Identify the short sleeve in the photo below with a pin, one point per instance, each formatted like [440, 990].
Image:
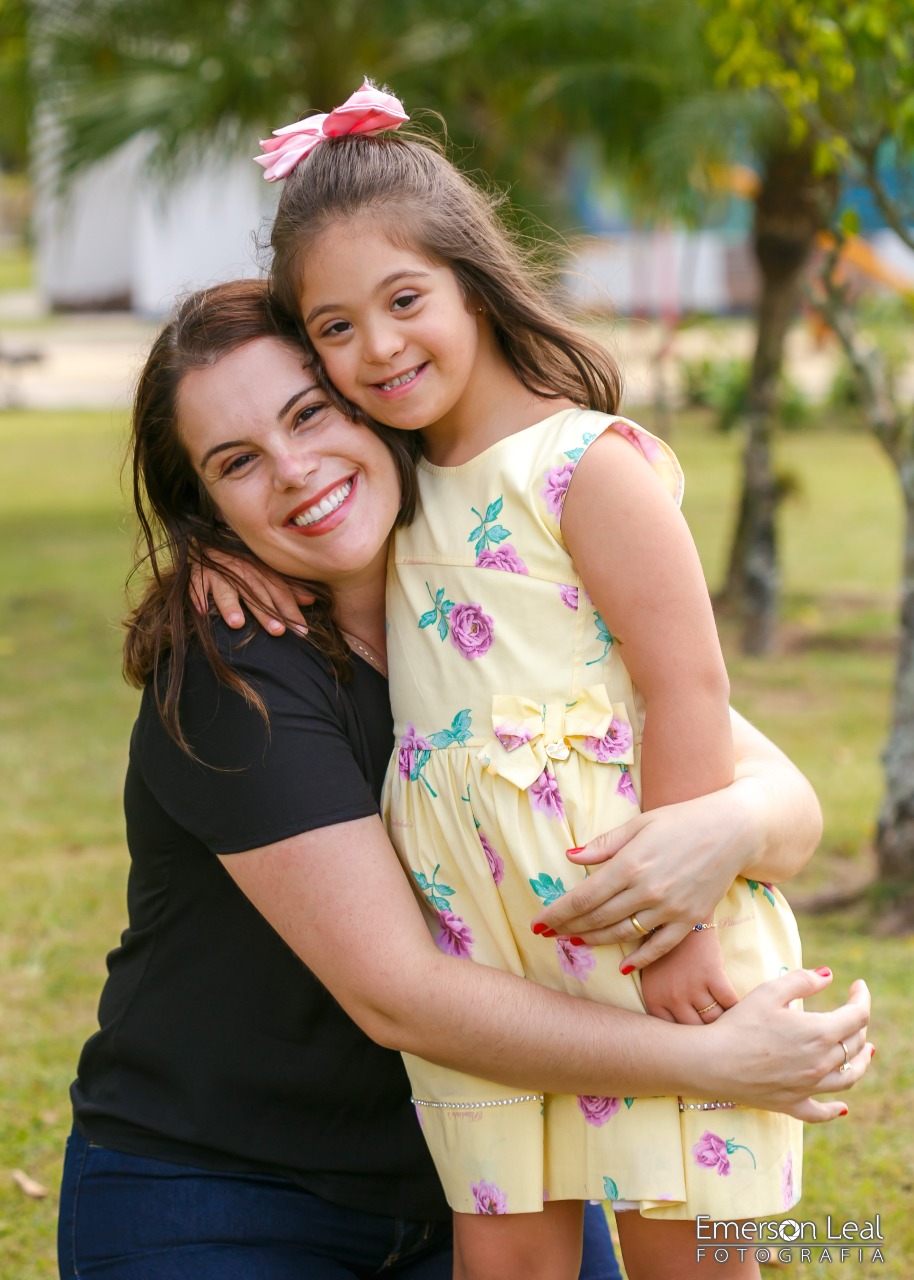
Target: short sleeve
[656, 452]
[253, 782]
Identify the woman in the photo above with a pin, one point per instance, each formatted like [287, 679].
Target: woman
[230, 1118]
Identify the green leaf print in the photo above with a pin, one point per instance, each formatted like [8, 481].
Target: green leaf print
[577, 454]
[487, 533]
[755, 885]
[628, 1102]
[458, 733]
[548, 889]
[604, 637]
[610, 1189]
[440, 610]
[437, 894]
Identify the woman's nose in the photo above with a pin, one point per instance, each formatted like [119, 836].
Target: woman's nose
[292, 466]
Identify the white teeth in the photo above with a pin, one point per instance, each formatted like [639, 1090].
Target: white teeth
[398, 382]
[325, 506]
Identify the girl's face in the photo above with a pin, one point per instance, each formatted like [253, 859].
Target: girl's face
[310, 492]
[393, 330]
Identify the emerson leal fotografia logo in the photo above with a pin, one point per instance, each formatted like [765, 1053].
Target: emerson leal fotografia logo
[790, 1240]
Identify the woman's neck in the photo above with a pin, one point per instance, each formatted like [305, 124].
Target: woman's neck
[359, 612]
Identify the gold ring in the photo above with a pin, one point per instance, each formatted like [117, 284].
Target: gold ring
[708, 1007]
[846, 1064]
[639, 926]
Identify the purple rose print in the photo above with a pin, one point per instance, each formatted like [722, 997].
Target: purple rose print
[503, 557]
[553, 491]
[472, 631]
[713, 1152]
[410, 743]
[788, 1197]
[488, 1197]
[625, 786]
[454, 937]
[647, 447]
[512, 736]
[418, 1111]
[615, 742]
[545, 795]
[569, 597]
[596, 1110]
[496, 864]
[577, 962]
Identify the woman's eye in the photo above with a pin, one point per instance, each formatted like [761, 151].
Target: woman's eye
[307, 415]
[335, 329]
[403, 301]
[237, 463]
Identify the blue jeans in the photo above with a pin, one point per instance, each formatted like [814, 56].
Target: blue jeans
[126, 1217]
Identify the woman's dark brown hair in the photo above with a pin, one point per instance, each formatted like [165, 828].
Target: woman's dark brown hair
[178, 527]
[421, 201]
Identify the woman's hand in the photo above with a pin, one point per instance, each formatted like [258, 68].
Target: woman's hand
[272, 601]
[764, 1053]
[670, 866]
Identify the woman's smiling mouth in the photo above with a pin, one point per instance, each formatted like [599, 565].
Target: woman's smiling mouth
[326, 506]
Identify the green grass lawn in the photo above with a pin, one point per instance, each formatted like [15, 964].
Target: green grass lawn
[65, 717]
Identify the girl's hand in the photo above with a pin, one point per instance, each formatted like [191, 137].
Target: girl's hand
[764, 1053]
[689, 983]
[272, 601]
[670, 866]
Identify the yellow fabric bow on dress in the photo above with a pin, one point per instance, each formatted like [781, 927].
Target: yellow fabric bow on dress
[529, 735]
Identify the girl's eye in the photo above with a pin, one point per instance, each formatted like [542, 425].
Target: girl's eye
[403, 301]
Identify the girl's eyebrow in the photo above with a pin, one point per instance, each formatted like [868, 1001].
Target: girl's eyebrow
[235, 444]
[379, 288]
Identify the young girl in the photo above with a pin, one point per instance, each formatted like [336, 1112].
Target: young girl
[554, 663]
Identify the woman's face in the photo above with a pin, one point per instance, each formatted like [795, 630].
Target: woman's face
[310, 492]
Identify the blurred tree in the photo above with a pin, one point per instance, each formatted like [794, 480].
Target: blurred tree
[15, 85]
[844, 75]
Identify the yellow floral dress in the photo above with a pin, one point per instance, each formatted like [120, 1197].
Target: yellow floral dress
[517, 737]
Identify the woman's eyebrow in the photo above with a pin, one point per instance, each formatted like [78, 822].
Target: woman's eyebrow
[379, 287]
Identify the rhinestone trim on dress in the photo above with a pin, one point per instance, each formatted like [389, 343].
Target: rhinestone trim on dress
[707, 1106]
[467, 1106]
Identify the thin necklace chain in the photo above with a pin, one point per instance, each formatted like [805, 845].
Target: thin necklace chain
[367, 653]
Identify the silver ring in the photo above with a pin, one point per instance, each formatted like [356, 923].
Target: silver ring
[846, 1064]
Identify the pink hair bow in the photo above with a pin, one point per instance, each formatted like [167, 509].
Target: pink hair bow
[368, 111]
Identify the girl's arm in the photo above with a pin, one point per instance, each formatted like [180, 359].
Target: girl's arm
[339, 898]
[765, 826]
[650, 589]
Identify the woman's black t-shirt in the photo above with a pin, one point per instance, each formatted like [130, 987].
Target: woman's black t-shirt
[217, 1047]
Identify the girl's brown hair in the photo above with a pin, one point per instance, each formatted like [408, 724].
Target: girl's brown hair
[178, 527]
[427, 204]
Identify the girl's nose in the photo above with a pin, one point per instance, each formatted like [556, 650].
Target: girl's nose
[382, 341]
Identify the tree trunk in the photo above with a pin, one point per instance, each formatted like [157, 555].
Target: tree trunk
[793, 204]
[895, 828]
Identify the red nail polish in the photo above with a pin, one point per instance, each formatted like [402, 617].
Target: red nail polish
[579, 850]
[549, 933]
[539, 927]
[824, 973]
[872, 1053]
[843, 1111]
[577, 942]
[627, 969]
